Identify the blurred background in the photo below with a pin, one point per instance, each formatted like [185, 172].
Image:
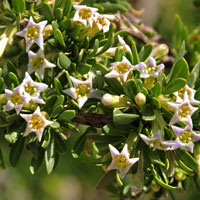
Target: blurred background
[73, 179]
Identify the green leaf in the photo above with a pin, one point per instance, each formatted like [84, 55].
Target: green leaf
[114, 85]
[16, 151]
[99, 66]
[130, 88]
[174, 86]
[113, 7]
[56, 111]
[1, 84]
[145, 52]
[179, 70]
[123, 118]
[2, 165]
[47, 11]
[59, 13]
[65, 62]
[194, 75]
[148, 114]
[182, 51]
[59, 101]
[67, 8]
[157, 89]
[59, 144]
[79, 145]
[50, 156]
[59, 37]
[13, 78]
[58, 86]
[83, 68]
[36, 163]
[19, 5]
[47, 139]
[135, 54]
[67, 115]
[156, 102]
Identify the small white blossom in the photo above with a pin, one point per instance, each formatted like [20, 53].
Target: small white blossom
[50, 2]
[16, 99]
[157, 142]
[82, 90]
[101, 22]
[183, 111]
[121, 161]
[38, 63]
[185, 138]
[33, 33]
[84, 14]
[151, 69]
[32, 89]
[190, 92]
[120, 69]
[36, 122]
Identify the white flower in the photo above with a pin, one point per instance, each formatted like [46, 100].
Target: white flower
[3, 44]
[38, 63]
[50, 2]
[101, 22]
[150, 70]
[183, 111]
[33, 33]
[156, 142]
[84, 14]
[121, 161]
[16, 99]
[120, 69]
[190, 92]
[123, 44]
[36, 122]
[185, 138]
[32, 89]
[82, 90]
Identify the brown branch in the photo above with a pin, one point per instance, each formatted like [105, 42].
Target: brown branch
[92, 119]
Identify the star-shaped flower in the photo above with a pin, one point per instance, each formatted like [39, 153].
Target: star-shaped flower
[151, 69]
[120, 69]
[36, 122]
[32, 89]
[101, 22]
[84, 14]
[157, 142]
[190, 92]
[121, 161]
[183, 111]
[33, 34]
[38, 63]
[185, 138]
[16, 99]
[82, 90]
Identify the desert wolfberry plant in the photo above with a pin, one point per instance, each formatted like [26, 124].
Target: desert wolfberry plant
[90, 71]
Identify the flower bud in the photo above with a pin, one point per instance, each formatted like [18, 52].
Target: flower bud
[179, 174]
[48, 31]
[160, 51]
[3, 99]
[140, 99]
[154, 186]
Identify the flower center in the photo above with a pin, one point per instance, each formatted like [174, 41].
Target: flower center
[184, 110]
[37, 62]
[30, 88]
[186, 136]
[32, 32]
[101, 20]
[122, 68]
[182, 92]
[150, 69]
[85, 13]
[16, 99]
[36, 122]
[83, 90]
[122, 162]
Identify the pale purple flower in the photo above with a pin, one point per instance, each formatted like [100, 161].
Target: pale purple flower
[84, 14]
[16, 99]
[183, 111]
[150, 69]
[38, 63]
[82, 90]
[121, 161]
[33, 34]
[185, 138]
[101, 22]
[190, 92]
[36, 122]
[33, 89]
[157, 142]
[120, 69]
